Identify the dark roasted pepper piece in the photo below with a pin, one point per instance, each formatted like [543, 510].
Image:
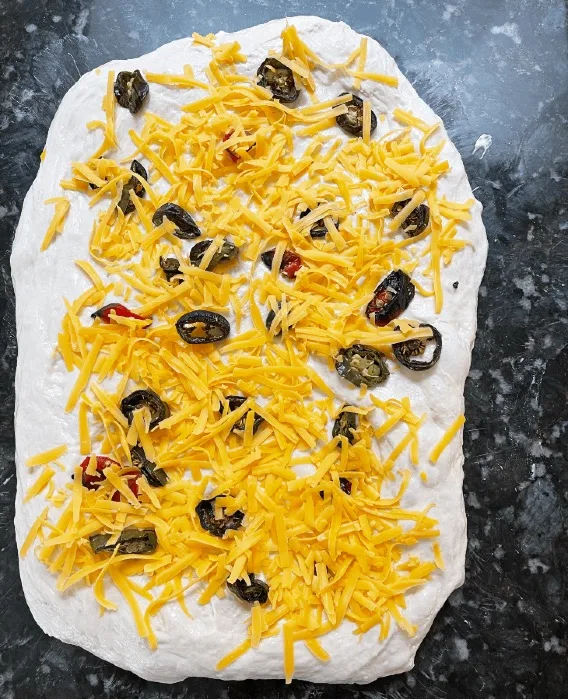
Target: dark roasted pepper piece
[257, 592]
[154, 476]
[145, 398]
[206, 513]
[186, 226]
[279, 79]
[236, 402]
[199, 327]
[352, 120]
[291, 262]
[407, 351]
[346, 424]
[416, 222]
[392, 297]
[130, 90]
[227, 252]
[131, 541]
[170, 267]
[133, 185]
[362, 364]
[319, 229]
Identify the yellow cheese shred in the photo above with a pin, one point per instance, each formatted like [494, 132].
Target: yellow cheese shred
[257, 624]
[288, 638]
[40, 483]
[62, 205]
[46, 457]
[317, 650]
[84, 434]
[232, 656]
[447, 437]
[417, 199]
[33, 532]
[361, 61]
[366, 121]
[438, 558]
[409, 119]
[84, 374]
[375, 77]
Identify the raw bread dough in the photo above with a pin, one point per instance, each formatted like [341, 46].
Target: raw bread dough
[192, 648]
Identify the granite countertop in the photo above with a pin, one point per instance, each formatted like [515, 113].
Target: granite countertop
[486, 67]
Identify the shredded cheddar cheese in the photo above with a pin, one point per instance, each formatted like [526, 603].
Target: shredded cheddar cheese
[366, 122]
[40, 483]
[47, 456]
[374, 77]
[448, 436]
[327, 556]
[361, 60]
[56, 224]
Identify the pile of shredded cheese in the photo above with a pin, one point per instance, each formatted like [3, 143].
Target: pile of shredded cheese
[326, 560]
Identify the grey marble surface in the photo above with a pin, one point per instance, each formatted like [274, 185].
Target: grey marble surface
[486, 66]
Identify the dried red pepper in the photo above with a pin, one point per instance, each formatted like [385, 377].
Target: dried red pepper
[93, 481]
[132, 485]
[291, 262]
[104, 313]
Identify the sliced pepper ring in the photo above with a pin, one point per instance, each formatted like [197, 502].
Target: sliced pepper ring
[279, 79]
[130, 90]
[392, 297]
[205, 510]
[145, 398]
[170, 267]
[408, 350]
[236, 402]
[416, 222]
[362, 364]
[290, 264]
[200, 327]
[256, 592]
[352, 120]
[227, 252]
[346, 424]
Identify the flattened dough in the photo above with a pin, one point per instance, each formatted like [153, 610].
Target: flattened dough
[192, 648]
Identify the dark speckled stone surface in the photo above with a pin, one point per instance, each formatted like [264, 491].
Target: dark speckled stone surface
[497, 67]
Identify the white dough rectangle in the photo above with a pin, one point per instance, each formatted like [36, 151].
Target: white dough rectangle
[42, 280]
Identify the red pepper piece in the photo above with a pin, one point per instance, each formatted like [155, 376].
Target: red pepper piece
[233, 156]
[392, 297]
[378, 302]
[104, 313]
[93, 481]
[132, 485]
[291, 263]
